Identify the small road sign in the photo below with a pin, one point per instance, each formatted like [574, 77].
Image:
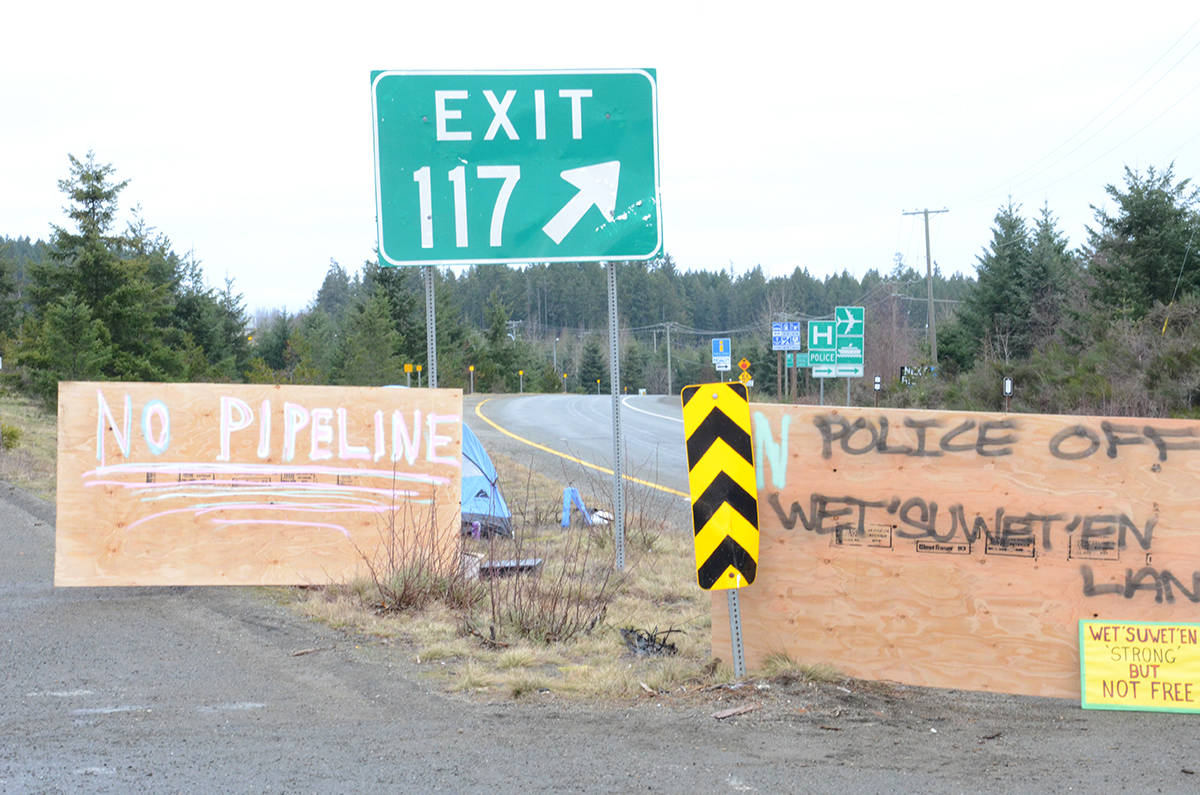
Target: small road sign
[850, 331]
[837, 371]
[721, 477]
[745, 377]
[822, 336]
[797, 359]
[849, 321]
[787, 335]
[502, 167]
[722, 354]
[744, 363]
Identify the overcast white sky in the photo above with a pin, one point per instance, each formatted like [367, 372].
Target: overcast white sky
[788, 136]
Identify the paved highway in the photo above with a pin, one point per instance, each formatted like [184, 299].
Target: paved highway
[579, 429]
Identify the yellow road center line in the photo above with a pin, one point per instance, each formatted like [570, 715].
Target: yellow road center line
[581, 462]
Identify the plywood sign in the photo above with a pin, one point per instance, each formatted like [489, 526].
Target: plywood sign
[218, 484]
[961, 549]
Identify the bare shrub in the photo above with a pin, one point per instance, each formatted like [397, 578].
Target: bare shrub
[414, 565]
[567, 595]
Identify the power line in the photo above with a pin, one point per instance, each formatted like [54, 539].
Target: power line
[1124, 141]
[926, 300]
[1020, 176]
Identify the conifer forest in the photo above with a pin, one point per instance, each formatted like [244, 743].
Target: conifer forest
[1109, 327]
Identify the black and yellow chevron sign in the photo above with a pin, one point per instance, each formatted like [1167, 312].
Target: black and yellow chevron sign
[716, 426]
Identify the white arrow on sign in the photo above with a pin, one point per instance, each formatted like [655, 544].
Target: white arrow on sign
[597, 185]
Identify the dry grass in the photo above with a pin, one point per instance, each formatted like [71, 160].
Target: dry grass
[31, 465]
[780, 666]
[483, 651]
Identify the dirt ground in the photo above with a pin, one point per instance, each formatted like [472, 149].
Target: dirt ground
[202, 689]
[883, 736]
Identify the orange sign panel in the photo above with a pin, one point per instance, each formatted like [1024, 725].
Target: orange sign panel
[224, 484]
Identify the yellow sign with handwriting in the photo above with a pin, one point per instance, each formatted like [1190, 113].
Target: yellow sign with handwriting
[1140, 665]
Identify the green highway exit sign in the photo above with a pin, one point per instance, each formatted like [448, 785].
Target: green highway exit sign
[521, 166]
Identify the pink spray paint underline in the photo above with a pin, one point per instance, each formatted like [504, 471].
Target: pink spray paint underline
[341, 529]
[264, 469]
[268, 506]
[248, 484]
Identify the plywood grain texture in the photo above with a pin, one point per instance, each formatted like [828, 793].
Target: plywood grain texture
[961, 549]
[221, 484]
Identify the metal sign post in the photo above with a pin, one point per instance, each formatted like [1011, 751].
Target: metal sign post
[430, 327]
[735, 634]
[614, 368]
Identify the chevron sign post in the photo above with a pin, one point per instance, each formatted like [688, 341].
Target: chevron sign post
[721, 477]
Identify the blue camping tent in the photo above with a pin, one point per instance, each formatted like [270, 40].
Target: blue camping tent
[484, 511]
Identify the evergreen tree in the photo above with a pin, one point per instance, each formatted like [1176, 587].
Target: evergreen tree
[68, 345]
[232, 354]
[1136, 256]
[592, 365]
[996, 315]
[369, 351]
[160, 321]
[335, 295]
[271, 342]
[404, 290]
[87, 258]
[1050, 273]
[316, 343]
[634, 360]
[10, 304]
[496, 369]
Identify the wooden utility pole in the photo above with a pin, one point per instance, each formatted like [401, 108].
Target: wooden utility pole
[929, 284]
[668, 324]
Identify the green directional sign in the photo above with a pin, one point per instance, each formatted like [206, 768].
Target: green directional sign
[822, 342]
[506, 167]
[835, 347]
[850, 332]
